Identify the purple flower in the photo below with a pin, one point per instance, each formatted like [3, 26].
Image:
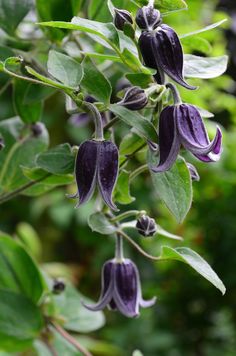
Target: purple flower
[121, 289]
[193, 172]
[182, 124]
[122, 18]
[148, 18]
[135, 98]
[146, 226]
[96, 164]
[162, 49]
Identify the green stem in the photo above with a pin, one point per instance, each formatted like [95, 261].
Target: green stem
[132, 154]
[138, 171]
[70, 339]
[138, 248]
[97, 121]
[111, 123]
[119, 255]
[175, 93]
[127, 214]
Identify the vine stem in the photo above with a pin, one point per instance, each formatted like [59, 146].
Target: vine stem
[111, 123]
[132, 154]
[119, 253]
[97, 120]
[138, 171]
[127, 214]
[144, 253]
[70, 339]
[151, 3]
[175, 93]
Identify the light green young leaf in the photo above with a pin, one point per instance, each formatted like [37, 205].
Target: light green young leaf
[174, 187]
[20, 321]
[65, 69]
[144, 127]
[195, 261]
[99, 222]
[166, 5]
[94, 82]
[204, 29]
[204, 67]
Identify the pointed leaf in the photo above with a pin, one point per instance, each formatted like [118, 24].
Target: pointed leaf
[99, 222]
[195, 261]
[204, 67]
[204, 29]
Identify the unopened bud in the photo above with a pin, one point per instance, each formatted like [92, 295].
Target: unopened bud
[58, 286]
[135, 99]
[148, 18]
[37, 129]
[146, 226]
[121, 18]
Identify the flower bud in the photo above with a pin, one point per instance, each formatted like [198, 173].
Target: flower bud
[37, 129]
[135, 99]
[148, 18]
[146, 226]
[58, 286]
[121, 18]
[2, 144]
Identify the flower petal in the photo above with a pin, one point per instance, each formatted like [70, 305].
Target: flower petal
[169, 54]
[169, 143]
[193, 134]
[126, 288]
[107, 288]
[147, 303]
[107, 171]
[86, 169]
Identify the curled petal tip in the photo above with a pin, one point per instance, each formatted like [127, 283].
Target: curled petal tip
[72, 196]
[147, 303]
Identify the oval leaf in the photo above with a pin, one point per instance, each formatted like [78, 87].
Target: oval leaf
[99, 223]
[204, 67]
[186, 255]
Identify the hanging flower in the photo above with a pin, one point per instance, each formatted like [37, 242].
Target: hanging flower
[96, 164]
[161, 50]
[182, 124]
[121, 289]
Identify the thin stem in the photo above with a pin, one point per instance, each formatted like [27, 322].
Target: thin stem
[5, 86]
[144, 253]
[6, 197]
[132, 154]
[127, 214]
[175, 93]
[70, 339]
[138, 171]
[97, 120]
[151, 3]
[111, 123]
[119, 255]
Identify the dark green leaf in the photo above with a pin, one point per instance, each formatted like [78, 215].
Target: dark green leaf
[166, 5]
[57, 160]
[122, 190]
[139, 79]
[196, 43]
[29, 113]
[20, 321]
[190, 257]
[94, 82]
[78, 318]
[18, 271]
[204, 67]
[99, 222]
[65, 69]
[144, 127]
[12, 13]
[174, 187]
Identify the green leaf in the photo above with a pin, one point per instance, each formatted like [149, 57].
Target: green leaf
[196, 43]
[21, 149]
[78, 318]
[20, 321]
[122, 190]
[166, 5]
[94, 82]
[139, 79]
[57, 160]
[207, 28]
[36, 93]
[174, 187]
[133, 62]
[162, 232]
[45, 178]
[30, 239]
[144, 127]
[65, 69]
[195, 261]
[204, 67]
[12, 13]
[99, 222]
[106, 31]
[29, 113]
[19, 273]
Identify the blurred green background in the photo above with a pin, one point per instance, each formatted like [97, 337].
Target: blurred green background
[190, 317]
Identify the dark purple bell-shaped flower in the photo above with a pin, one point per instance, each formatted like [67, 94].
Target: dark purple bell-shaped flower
[96, 164]
[182, 124]
[161, 49]
[121, 289]
[135, 98]
[148, 18]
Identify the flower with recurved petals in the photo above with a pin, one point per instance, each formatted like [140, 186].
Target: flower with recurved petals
[181, 124]
[121, 289]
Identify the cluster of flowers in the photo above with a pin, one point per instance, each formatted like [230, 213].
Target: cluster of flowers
[179, 124]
